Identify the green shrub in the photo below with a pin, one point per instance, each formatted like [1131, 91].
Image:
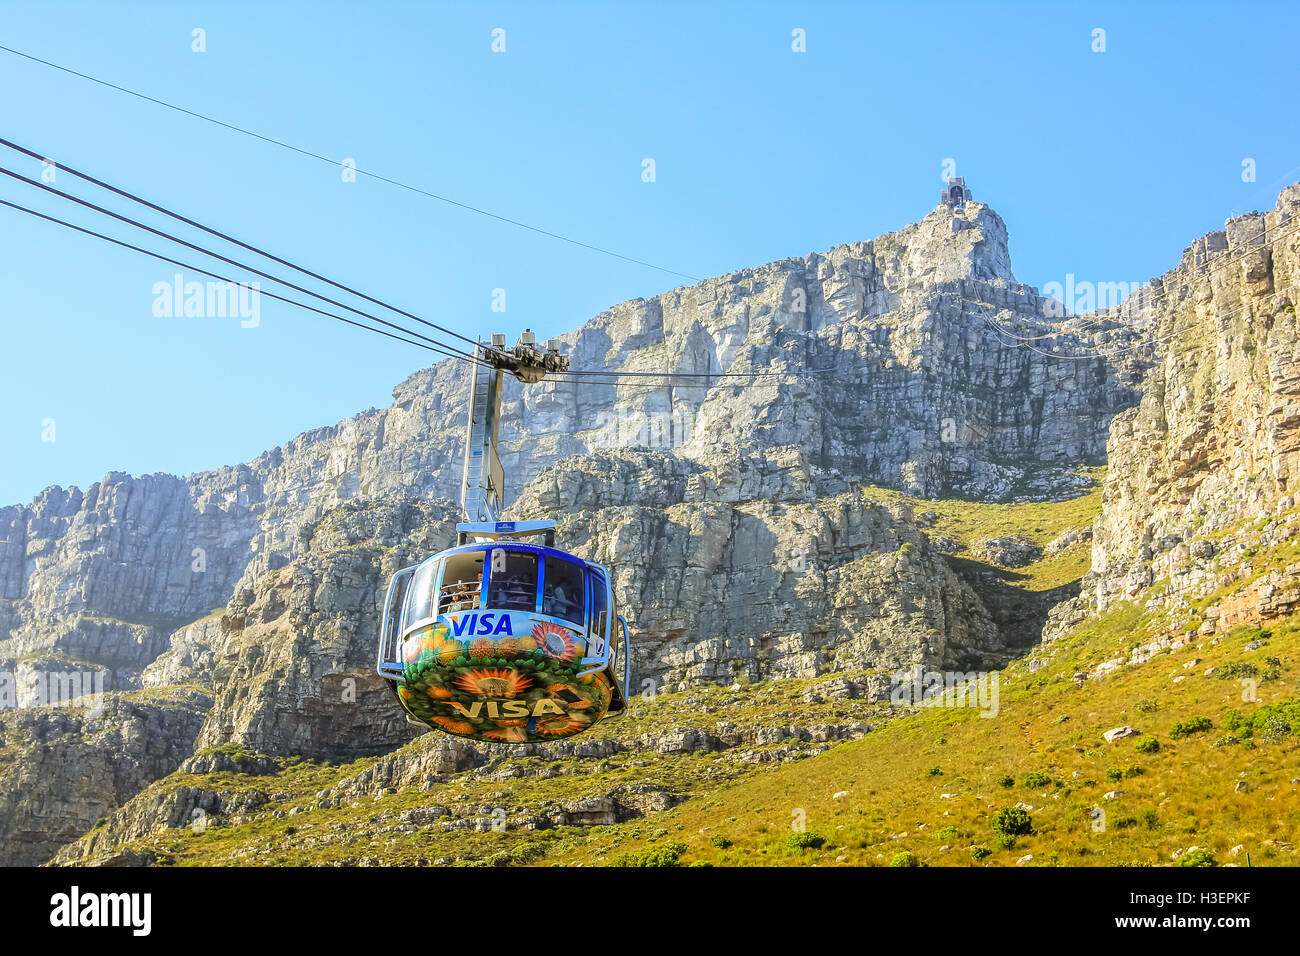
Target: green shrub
[1198, 858]
[1234, 670]
[1271, 721]
[1276, 726]
[804, 841]
[1272, 669]
[666, 855]
[1185, 728]
[979, 851]
[1036, 779]
[1227, 740]
[933, 772]
[1147, 706]
[1012, 821]
[1007, 781]
[500, 858]
[946, 835]
[1150, 819]
[719, 841]
[1132, 770]
[1114, 773]
[1147, 745]
[526, 853]
[1004, 841]
[904, 858]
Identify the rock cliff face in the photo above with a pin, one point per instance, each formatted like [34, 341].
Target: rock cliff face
[735, 568]
[730, 507]
[730, 573]
[294, 668]
[1215, 441]
[61, 771]
[913, 389]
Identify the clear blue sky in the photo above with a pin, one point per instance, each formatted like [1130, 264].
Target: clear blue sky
[1103, 164]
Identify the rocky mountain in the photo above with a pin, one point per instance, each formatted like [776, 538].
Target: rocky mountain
[741, 516]
[1214, 443]
[913, 389]
[63, 771]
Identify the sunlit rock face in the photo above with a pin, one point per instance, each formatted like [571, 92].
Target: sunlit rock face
[1215, 441]
[735, 568]
[885, 361]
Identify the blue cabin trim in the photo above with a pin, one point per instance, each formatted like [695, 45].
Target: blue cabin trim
[538, 549]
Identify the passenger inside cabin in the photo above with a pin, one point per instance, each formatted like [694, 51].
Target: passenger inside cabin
[462, 596]
[557, 602]
[512, 590]
[562, 594]
[513, 583]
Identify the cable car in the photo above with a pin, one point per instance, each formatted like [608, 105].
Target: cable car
[500, 639]
[504, 640]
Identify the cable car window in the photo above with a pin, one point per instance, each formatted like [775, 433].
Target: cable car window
[419, 595]
[512, 584]
[461, 582]
[599, 607]
[563, 593]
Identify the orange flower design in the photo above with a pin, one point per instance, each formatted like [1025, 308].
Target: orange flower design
[497, 682]
[569, 724]
[425, 639]
[454, 726]
[554, 641]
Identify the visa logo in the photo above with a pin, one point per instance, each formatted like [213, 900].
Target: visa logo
[475, 623]
[508, 708]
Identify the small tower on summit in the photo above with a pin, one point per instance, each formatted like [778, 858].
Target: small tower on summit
[956, 195]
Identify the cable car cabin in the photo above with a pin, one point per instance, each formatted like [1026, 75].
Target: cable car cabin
[505, 641]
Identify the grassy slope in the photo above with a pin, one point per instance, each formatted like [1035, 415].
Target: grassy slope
[1046, 723]
[356, 831]
[1186, 794]
[971, 523]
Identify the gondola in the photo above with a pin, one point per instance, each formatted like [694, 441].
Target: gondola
[499, 638]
